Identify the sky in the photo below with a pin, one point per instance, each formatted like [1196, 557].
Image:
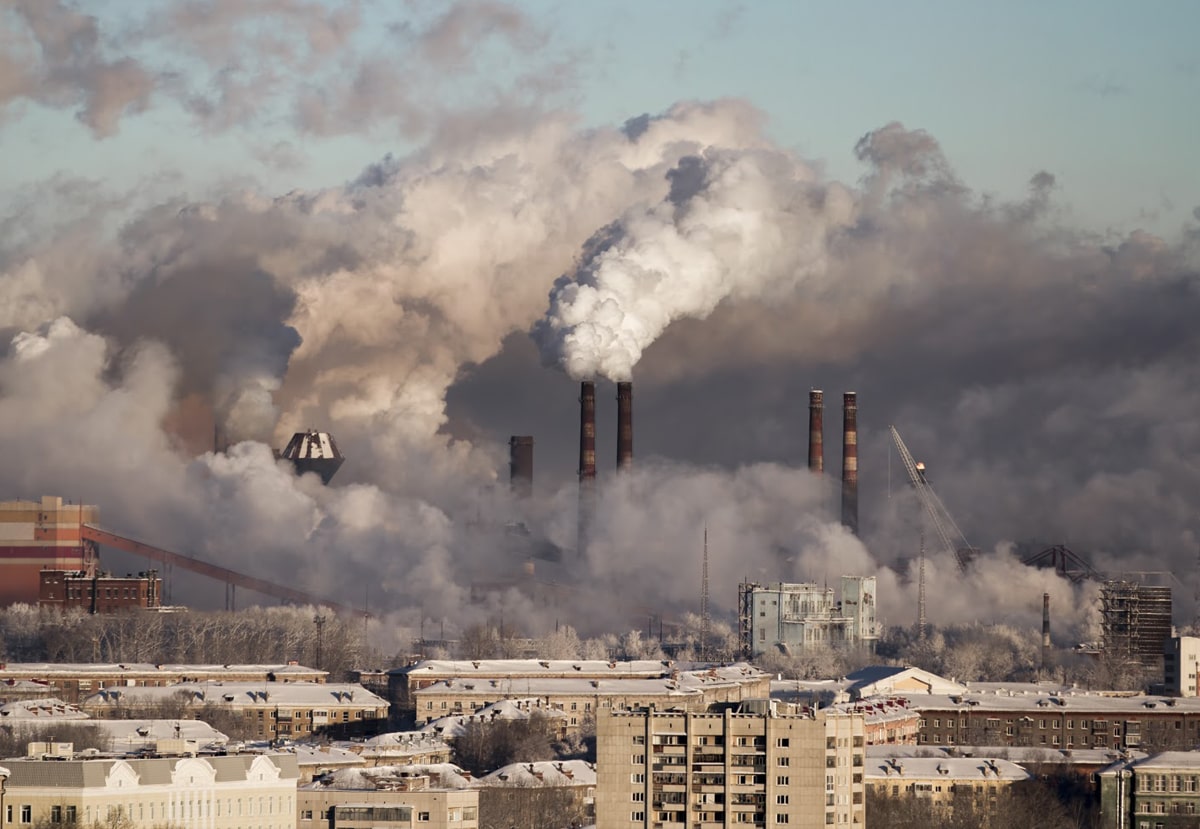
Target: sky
[420, 225]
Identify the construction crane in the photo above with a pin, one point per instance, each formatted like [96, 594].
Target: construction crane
[948, 533]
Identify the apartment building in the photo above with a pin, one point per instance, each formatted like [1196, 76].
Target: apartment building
[580, 697]
[942, 780]
[1157, 792]
[763, 763]
[1181, 656]
[227, 792]
[271, 711]
[72, 682]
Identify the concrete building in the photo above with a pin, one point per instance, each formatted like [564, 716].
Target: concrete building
[74, 681]
[942, 780]
[1135, 621]
[793, 617]
[765, 764]
[1157, 792]
[100, 592]
[387, 796]
[41, 535]
[225, 792]
[279, 711]
[579, 698]
[1180, 658]
[887, 721]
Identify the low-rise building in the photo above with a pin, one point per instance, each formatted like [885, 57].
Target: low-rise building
[579, 698]
[765, 764]
[405, 797]
[269, 711]
[1154, 792]
[401, 747]
[74, 681]
[220, 792]
[520, 793]
[99, 592]
[886, 720]
[942, 780]
[794, 617]
[35, 712]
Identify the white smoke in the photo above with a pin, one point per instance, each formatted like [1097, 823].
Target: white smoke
[736, 224]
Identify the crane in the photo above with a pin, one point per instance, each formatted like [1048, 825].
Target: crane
[948, 533]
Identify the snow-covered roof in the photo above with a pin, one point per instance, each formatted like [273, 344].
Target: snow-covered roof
[887, 679]
[1036, 704]
[1021, 755]
[544, 773]
[683, 683]
[324, 756]
[33, 710]
[54, 669]
[295, 694]
[950, 768]
[1169, 760]
[505, 709]
[878, 709]
[134, 734]
[545, 667]
[440, 775]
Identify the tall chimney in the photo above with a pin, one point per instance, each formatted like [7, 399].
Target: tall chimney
[1045, 632]
[850, 461]
[624, 425]
[816, 429]
[520, 465]
[587, 459]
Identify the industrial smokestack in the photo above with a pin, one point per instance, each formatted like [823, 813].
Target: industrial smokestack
[624, 425]
[1045, 632]
[587, 458]
[850, 461]
[816, 430]
[520, 465]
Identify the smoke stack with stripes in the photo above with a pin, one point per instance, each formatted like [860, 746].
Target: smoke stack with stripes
[624, 426]
[1045, 632]
[850, 461]
[587, 459]
[816, 429]
[520, 465]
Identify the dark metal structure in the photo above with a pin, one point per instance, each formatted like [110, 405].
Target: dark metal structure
[314, 452]
[624, 425]
[520, 464]
[1135, 620]
[1067, 564]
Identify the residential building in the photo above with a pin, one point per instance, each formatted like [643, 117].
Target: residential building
[74, 681]
[579, 697]
[942, 780]
[99, 592]
[791, 617]
[387, 796]
[271, 711]
[40, 535]
[219, 792]
[1180, 658]
[516, 794]
[763, 763]
[1157, 792]
[886, 720]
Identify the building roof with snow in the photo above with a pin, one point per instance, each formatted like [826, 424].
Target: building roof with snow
[131, 735]
[410, 777]
[505, 709]
[33, 711]
[959, 769]
[244, 694]
[875, 680]
[544, 773]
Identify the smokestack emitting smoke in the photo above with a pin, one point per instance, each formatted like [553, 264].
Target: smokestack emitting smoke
[816, 428]
[624, 425]
[520, 464]
[1045, 631]
[850, 461]
[587, 457]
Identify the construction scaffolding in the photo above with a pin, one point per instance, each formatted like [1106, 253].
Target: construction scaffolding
[1135, 620]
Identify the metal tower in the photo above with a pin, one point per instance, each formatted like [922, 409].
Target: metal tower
[705, 620]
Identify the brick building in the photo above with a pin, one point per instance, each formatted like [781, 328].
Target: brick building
[40, 535]
[99, 593]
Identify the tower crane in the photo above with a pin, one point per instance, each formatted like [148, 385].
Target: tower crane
[948, 533]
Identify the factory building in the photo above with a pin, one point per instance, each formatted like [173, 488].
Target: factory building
[1135, 620]
[794, 617]
[37, 536]
[99, 593]
[764, 764]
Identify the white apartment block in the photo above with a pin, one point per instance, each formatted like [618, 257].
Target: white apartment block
[793, 617]
[236, 791]
[765, 764]
[1182, 654]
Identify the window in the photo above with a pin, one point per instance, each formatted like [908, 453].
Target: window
[781, 817]
[71, 815]
[638, 816]
[56, 814]
[639, 739]
[783, 742]
[637, 777]
[783, 761]
[782, 780]
[306, 814]
[639, 797]
[639, 759]
[781, 799]
[422, 817]
[26, 813]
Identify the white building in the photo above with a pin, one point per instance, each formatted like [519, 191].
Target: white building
[226, 792]
[1182, 654]
[789, 617]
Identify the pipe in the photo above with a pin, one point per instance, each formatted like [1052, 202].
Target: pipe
[1045, 632]
[850, 461]
[520, 465]
[816, 429]
[624, 425]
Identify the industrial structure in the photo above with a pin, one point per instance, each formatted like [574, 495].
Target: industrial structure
[763, 763]
[816, 431]
[624, 426]
[850, 461]
[795, 617]
[587, 461]
[315, 452]
[1135, 620]
[520, 465]
[41, 535]
[100, 592]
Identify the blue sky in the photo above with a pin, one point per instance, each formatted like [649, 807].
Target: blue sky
[1104, 95]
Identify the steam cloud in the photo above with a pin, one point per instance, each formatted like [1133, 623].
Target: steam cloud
[1046, 375]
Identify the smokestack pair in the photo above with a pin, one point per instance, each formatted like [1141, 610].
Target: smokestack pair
[587, 429]
[816, 450]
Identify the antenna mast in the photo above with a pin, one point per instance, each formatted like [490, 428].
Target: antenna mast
[704, 617]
